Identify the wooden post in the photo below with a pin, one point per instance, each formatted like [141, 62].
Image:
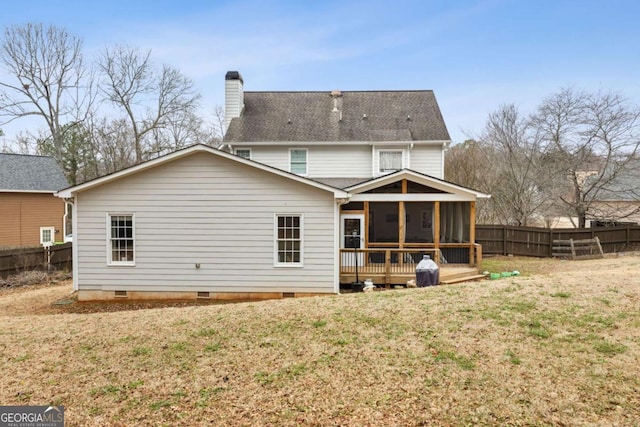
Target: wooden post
[472, 231]
[366, 225]
[401, 224]
[436, 224]
[504, 240]
[387, 268]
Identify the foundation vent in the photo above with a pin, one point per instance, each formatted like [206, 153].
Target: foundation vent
[288, 295]
[120, 294]
[203, 295]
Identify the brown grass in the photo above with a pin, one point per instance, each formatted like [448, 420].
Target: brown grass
[559, 347]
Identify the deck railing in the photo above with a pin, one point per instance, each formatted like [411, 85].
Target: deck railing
[390, 265]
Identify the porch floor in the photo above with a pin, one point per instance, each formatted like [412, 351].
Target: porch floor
[447, 272]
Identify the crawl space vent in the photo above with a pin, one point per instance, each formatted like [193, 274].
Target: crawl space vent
[203, 294]
[120, 294]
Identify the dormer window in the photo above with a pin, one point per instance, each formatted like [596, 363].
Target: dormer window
[298, 161]
[389, 160]
[244, 152]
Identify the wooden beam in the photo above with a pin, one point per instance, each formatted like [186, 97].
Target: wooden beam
[404, 186]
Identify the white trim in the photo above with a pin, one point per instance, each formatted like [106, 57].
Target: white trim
[436, 183]
[332, 143]
[74, 245]
[28, 191]
[198, 148]
[412, 197]
[110, 261]
[235, 151]
[336, 247]
[277, 263]
[306, 160]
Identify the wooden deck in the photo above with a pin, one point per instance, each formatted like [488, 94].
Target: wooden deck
[447, 273]
[387, 267]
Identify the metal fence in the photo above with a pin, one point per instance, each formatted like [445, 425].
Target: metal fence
[538, 242]
[13, 261]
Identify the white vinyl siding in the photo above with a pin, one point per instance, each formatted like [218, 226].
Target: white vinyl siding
[206, 210]
[428, 159]
[288, 240]
[298, 161]
[325, 161]
[120, 239]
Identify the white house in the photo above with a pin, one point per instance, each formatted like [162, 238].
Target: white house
[310, 190]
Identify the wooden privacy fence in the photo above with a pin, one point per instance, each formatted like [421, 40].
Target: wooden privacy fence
[14, 261]
[538, 242]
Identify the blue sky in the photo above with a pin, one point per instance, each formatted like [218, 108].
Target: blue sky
[475, 54]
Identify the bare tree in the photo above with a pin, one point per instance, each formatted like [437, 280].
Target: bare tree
[519, 171]
[469, 164]
[593, 144]
[48, 79]
[151, 99]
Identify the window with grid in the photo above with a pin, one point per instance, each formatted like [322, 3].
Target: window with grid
[244, 152]
[289, 240]
[47, 235]
[390, 161]
[121, 240]
[298, 161]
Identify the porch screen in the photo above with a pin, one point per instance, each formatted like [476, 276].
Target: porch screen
[383, 222]
[419, 222]
[455, 222]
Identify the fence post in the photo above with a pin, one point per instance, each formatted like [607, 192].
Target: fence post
[550, 243]
[504, 240]
[628, 233]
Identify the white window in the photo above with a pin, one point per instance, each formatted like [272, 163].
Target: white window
[47, 235]
[288, 242]
[298, 161]
[389, 160]
[121, 239]
[244, 152]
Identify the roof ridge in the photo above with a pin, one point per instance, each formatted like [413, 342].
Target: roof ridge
[342, 91]
[27, 155]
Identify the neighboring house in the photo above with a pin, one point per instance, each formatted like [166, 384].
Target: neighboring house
[618, 201]
[614, 201]
[303, 197]
[30, 214]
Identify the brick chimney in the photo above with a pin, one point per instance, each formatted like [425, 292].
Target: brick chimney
[233, 97]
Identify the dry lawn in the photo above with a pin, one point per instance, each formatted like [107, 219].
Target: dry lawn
[558, 345]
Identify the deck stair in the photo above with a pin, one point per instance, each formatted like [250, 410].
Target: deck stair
[466, 278]
[456, 274]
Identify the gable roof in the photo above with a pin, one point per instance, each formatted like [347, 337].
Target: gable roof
[197, 148]
[436, 183]
[30, 174]
[343, 116]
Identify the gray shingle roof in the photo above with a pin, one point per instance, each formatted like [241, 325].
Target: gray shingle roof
[30, 173]
[361, 116]
[341, 183]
